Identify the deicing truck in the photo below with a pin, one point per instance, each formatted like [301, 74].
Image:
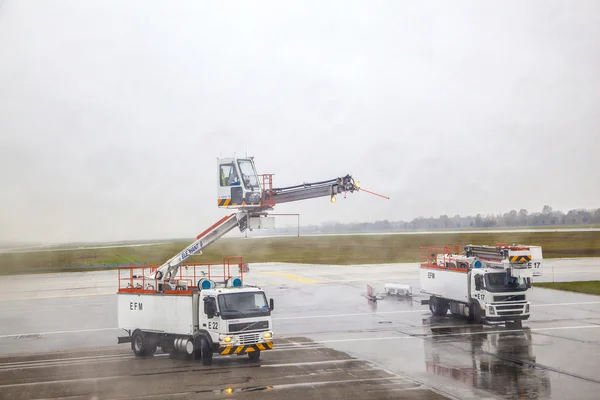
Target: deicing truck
[483, 283]
[217, 315]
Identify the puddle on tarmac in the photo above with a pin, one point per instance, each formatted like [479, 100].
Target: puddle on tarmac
[496, 360]
[230, 390]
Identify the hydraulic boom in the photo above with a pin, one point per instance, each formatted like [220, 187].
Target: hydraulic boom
[204, 239]
[241, 188]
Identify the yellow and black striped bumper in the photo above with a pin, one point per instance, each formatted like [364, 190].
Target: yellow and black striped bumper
[242, 349]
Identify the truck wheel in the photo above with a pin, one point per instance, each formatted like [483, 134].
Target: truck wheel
[197, 354]
[438, 306]
[206, 352]
[254, 356]
[140, 345]
[475, 312]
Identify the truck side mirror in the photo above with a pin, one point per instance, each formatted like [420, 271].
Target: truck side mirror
[271, 305]
[478, 282]
[210, 308]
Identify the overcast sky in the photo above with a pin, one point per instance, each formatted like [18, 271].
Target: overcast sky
[112, 113]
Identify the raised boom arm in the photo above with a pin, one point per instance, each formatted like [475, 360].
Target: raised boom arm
[204, 239]
[241, 188]
[313, 190]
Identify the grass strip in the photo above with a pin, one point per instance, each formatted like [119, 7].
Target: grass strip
[589, 287]
[342, 249]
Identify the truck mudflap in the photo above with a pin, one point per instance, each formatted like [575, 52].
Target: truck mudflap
[243, 349]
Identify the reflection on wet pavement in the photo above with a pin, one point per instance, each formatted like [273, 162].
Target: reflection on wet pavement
[502, 363]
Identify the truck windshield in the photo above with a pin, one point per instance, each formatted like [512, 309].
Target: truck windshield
[501, 282]
[248, 174]
[243, 305]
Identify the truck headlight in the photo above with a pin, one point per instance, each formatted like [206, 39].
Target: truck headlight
[492, 312]
[227, 339]
[527, 308]
[268, 335]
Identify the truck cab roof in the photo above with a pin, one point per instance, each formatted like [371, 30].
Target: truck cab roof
[225, 290]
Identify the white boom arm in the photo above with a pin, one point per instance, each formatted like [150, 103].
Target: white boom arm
[169, 268]
[243, 191]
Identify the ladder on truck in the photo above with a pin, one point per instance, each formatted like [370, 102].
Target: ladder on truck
[501, 255]
[513, 253]
[504, 255]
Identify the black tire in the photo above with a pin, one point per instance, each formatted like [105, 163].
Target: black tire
[206, 352]
[254, 356]
[140, 344]
[437, 306]
[197, 347]
[475, 313]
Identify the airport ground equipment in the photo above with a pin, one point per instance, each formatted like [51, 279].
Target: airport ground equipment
[200, 312]
[398, 289]
[372, 295]
[483, 283]
[181, 307]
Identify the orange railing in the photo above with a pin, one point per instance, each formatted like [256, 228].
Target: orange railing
[512, 246]
[133, 279]
[429, 257]
[267, 186]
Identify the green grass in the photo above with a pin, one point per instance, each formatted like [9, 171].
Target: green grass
[589, 287]
[358, 249]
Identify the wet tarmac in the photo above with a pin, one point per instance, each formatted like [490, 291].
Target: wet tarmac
[293, 369]
[552, 357]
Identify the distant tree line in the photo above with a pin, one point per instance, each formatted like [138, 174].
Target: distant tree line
[513, 218]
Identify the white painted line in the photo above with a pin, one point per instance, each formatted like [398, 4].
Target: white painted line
[566, 304]
[62, 382]
[297, 317]
[58, 332]
[350, 315]
[69, 359]
[315, 347]
[346, 360]
[414, 311]
[59, 297]
[456, 334]
[48, 364]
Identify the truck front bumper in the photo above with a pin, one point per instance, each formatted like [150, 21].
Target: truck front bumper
[243, 349]
[496, 318]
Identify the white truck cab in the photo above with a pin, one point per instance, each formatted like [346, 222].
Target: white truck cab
[237, 320]
[501, 295]
[210, 317]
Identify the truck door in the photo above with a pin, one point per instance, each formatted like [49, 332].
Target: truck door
[211, 321]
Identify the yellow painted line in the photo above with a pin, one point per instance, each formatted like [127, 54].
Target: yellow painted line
[300, 278]
[60, 297]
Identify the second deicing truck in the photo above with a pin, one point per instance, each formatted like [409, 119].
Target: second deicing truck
[484, 283]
